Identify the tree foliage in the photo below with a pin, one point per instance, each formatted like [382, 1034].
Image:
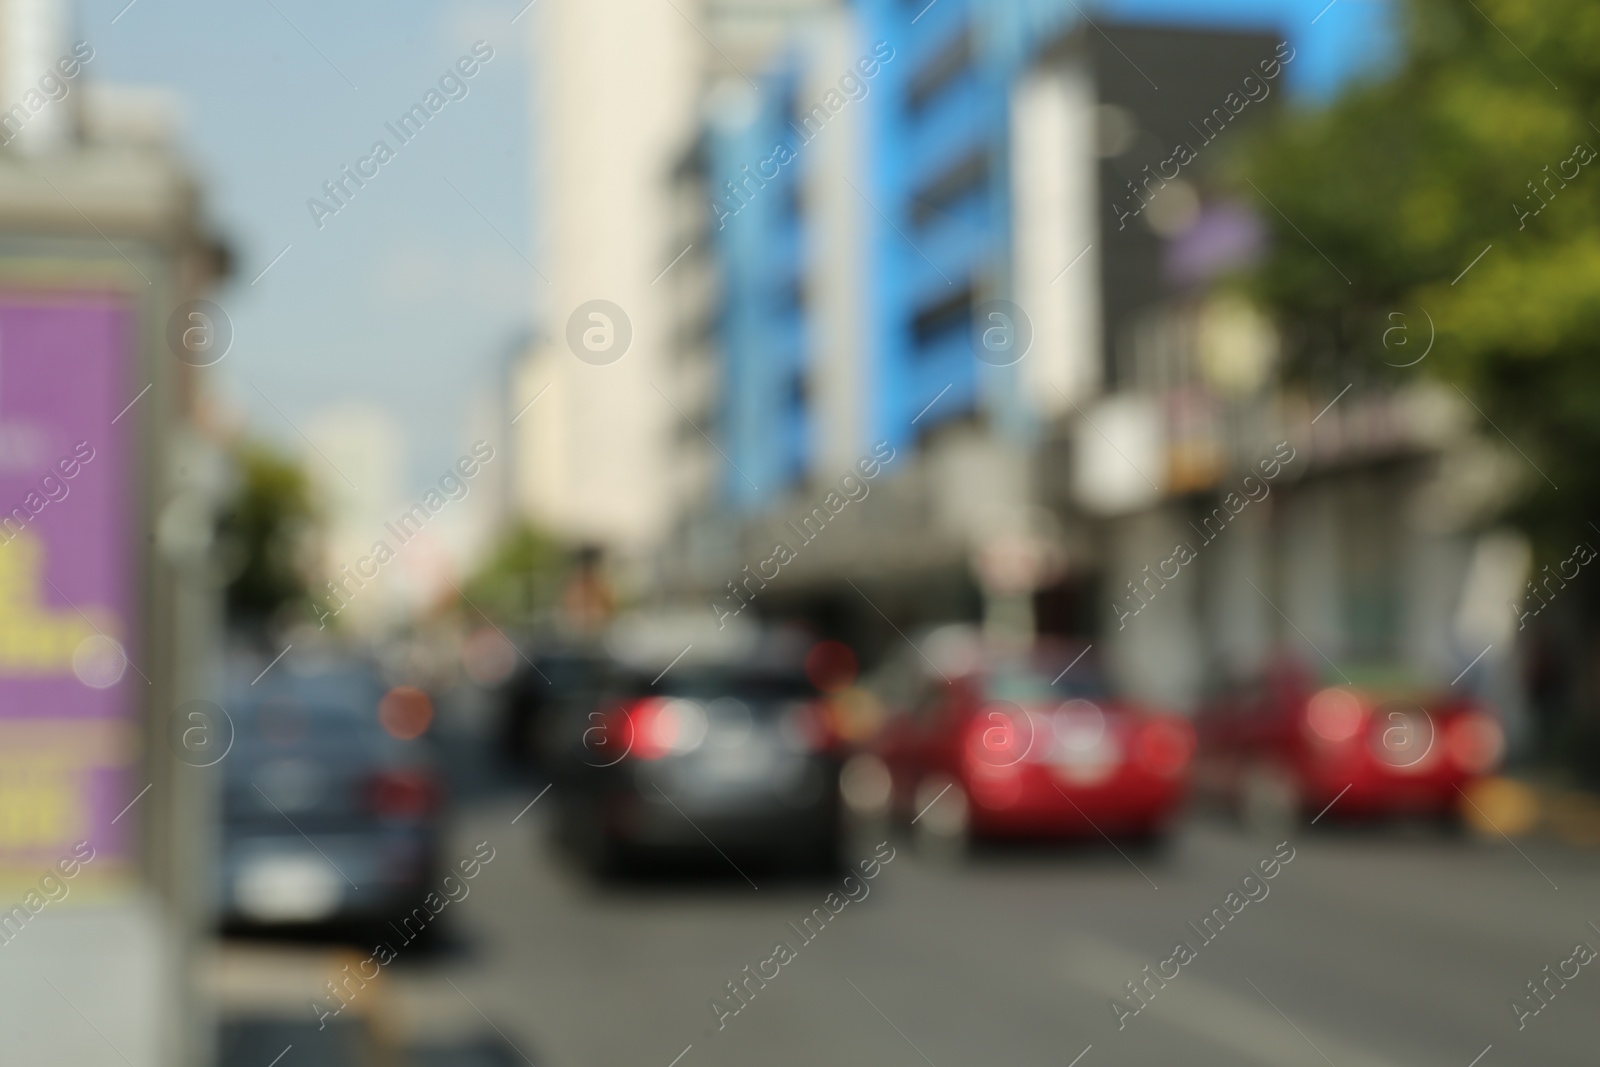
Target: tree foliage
[521, 576]
[264, 530]
[1463, 187]
[1381, 200]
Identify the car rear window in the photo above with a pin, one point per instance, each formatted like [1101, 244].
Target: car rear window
[280, 723]
[1029, 685]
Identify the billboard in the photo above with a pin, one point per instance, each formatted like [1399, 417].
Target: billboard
[68, 647]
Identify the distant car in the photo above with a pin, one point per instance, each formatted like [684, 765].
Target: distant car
[991, 743]
[554, 677]
[330, 815]
[1287, 744]
[717, 754]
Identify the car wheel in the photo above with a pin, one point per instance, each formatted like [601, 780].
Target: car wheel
[942, 823]
[1269, 800]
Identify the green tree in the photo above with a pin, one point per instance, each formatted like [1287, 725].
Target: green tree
[263, 531]
[521, 576]
[1480, 141]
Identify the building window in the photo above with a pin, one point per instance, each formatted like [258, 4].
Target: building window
[945, 66]
[935, 323]
[968, 176]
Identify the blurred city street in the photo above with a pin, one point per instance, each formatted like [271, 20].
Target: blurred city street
[598, 533]
[1013, 955]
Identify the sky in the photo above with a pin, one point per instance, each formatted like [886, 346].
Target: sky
[412, 294]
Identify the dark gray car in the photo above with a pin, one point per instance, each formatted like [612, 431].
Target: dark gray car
[327, 818]
[725, 758]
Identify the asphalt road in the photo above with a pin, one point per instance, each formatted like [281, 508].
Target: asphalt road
[1368, 948]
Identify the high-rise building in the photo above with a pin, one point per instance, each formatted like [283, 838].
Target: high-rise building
[618, 98]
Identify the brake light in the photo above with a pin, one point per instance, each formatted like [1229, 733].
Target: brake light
[402, 794]
[1001, 735]
[659, 727]
[1335, 716]
[1163, 746]
[405, 712]
[1475, 743]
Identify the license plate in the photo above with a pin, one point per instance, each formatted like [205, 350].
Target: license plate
[1083, 749]
[740, 763]
[288, 889]
[1405, 741]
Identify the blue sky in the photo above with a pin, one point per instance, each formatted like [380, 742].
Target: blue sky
[408, 297]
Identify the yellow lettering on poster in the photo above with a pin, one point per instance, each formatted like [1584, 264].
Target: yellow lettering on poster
[47, 769]
[34, 639]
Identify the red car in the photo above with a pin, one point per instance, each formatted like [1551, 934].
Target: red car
[1290, 744]
[990, 744]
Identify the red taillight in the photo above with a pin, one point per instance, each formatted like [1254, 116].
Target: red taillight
[1001, 735]
[405, 712]
[1335, 716]
[1163, 746]
[658, 727]
[402, 794]
[1475, 743]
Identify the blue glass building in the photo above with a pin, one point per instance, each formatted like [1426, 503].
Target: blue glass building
[933, 175]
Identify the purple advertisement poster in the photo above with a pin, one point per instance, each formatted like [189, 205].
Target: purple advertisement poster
[68, 678]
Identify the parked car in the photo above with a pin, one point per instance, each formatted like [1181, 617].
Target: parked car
[719, 750]
[988, 742]
[331, 801]
[1288, 743]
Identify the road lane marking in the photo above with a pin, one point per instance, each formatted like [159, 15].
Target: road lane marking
[1211, 1012]
[890, 1021]
[1290, 1021]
